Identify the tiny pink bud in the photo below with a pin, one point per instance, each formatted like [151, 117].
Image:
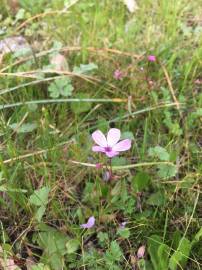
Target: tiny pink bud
[151, 58]
[141, 252]
[151, 82]
[118, 74]
[98, 165]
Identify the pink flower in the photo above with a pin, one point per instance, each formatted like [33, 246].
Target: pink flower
[118, 74]
[110, 145]
[151, 58]
[90, 223]
[141, 252]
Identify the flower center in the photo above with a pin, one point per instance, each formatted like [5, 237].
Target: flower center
[108, 149]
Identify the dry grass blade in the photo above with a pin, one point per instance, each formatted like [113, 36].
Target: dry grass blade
[171, 88]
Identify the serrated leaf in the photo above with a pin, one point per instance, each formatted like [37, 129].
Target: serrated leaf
[119, 161]
[103, 237]
[167, 170]
[81, 107]
[114, 253]
[53, 243]
[140, 181]
[85, 68]
[124, 233]
[61, 87]
[72, 246]
[197, 237]
[157, 199]
[159, 152]
[39, 213]
[40, 197]
[20, 14]
[24, 128]
[127, 135]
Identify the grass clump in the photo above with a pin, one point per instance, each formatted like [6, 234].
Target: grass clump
[86, 66]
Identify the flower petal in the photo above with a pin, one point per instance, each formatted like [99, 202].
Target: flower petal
[113, 136]
[99, 138]
[151, 58]
[89, 224]
[112, 154]
[141, 252]
[122, 146]
[96, 148]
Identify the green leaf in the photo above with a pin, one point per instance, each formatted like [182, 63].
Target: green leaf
[114, 253]
[153, 244]
[40, 197]
[159, 152]
[119, 161]
[24, 128]
[40, 266]
[167, 170]
[144, 265]
[85, 68]
[39, 213]
[157, 199]
[116, 189]
[81, 107]
[61, 87]
[124, 233]
[140, 181]
[103, 238]
[180, 256]
[199, 112]
[72, 246]
[163, 254]
[53, 244]
[127, 135]
[197, 237]
[20, 14]
[176, 237]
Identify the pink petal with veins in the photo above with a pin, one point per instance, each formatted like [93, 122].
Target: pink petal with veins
[122, 146]
[98, 149]
[112, 154]
[113, 136]
[99, 138]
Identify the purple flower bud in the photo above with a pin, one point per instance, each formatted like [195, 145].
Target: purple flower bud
[90, 223]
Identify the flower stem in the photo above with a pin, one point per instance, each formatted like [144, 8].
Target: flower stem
[110, 169]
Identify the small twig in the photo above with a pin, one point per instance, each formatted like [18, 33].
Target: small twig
[7, 161]
[63, 100]
[125, 167]
[171, 88]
